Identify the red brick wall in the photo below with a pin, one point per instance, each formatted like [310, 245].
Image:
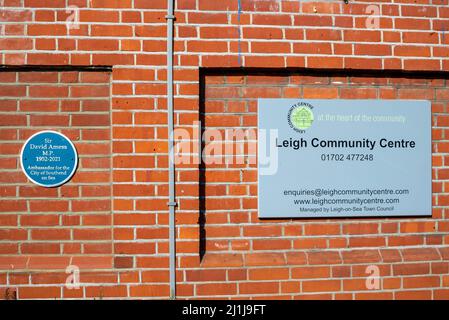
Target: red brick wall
[129, 36]
[314, 258]
[47, 229]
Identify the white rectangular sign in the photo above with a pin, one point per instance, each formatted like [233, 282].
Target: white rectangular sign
[344, 158]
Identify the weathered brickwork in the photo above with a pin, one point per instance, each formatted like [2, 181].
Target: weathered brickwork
[111, 220]
[48, 229]
[315, 258]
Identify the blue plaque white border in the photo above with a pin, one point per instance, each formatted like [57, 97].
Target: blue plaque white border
[75, 166]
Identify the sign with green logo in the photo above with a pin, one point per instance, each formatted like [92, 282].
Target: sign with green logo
[300, 117]
[344, 158]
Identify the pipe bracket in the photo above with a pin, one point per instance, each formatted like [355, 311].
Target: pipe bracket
[172, 204]
[170, 16]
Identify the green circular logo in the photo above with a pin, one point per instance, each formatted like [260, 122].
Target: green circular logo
[301, 117]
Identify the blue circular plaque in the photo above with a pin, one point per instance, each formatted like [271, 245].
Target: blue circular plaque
[49, 159]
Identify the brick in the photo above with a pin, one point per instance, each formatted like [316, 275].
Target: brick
[106, 291]
[321, 229]
[123, 262]
[48, 91]
[111, 31]
[46, 77]
[310, 272]
[155, 276]
[412, 51]
[420, 254]
[296, 258]
[93, 262]
[18, 278]
[420, 37]
[261, 33]
[258, 287]
[48, 206]
[392, 255]
[9, 249]
[372, 49]
[359, 63]
[264, 259]
[323, 34]
[91, 205]
[99, 16]
[48, 262]
[419, 11]
[271, 47]
[149, 291]
[361, 35]
[92, 234]
[411, 269]
[12, 205]
[135, 248]
[312, 20]
[222, 260]
[361, 228]
[218, 32]
[415, 227]
[262, 231]
[321, 285]
[13, 120]
[405, 240]
[8, 105]
[50, 234]
[39, 220]
[151, 118]
[216, 289]
[12, 90]
[261, 61]
[279, 19]
[268, 274]
[271, 244]
[324, 257]
[207, 46]
[133, 74]
[206, 275]
[312, 48]
[361, 256]
[206, 18]
[39, 105]
[39, 292]
[421, 282]
[90, 91]
[9, 219]
[374, 296]
[90, 120]
[13, 234]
